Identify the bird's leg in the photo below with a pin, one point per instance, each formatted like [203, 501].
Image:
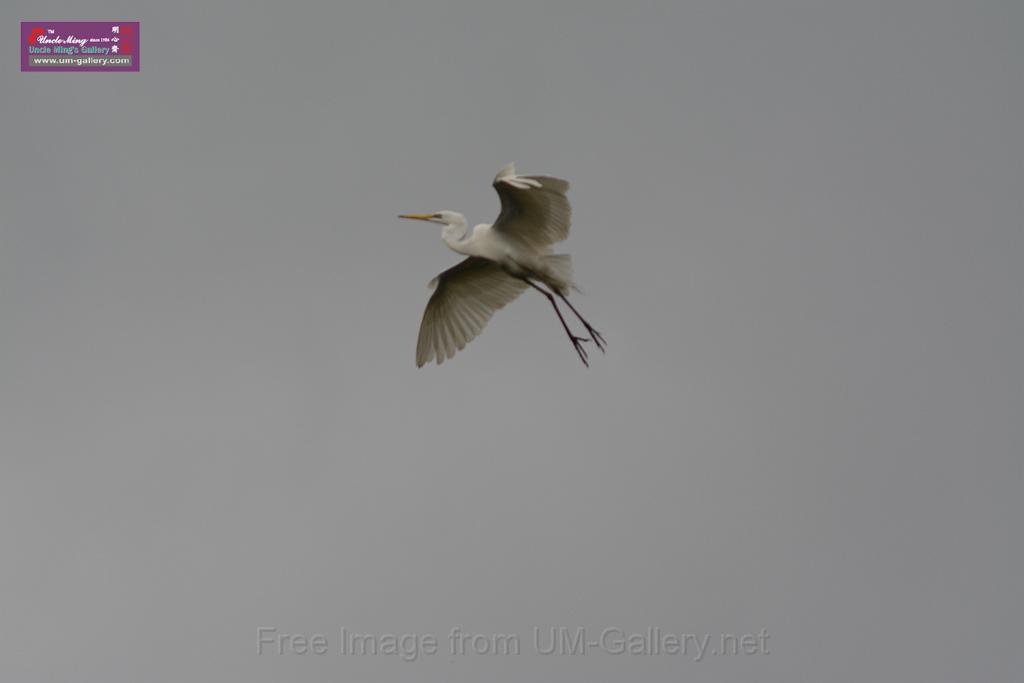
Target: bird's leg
[577, 342]
[594, 334]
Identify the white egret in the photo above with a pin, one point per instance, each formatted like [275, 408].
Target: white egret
[503, 260]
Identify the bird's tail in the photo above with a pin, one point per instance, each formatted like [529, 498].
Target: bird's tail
[559, 267]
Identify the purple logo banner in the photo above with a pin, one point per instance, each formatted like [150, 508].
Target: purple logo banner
[79, 46]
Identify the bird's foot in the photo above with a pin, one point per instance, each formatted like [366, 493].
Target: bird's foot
[577, 343]
[596, 337]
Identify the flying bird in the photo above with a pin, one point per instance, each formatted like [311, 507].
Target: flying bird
[502, 261]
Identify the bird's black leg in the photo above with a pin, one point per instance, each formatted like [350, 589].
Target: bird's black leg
[594, 334]
[577, 342]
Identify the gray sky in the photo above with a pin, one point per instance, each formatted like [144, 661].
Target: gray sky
[798, 224]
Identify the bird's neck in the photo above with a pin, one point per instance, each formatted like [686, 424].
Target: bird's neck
[454, 235]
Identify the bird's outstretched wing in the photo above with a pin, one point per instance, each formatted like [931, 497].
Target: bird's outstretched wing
[465, 298]
[534, 209]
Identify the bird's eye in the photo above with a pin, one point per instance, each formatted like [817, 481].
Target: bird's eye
[436, 215]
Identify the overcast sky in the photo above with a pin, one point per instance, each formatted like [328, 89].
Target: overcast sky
[797, 223]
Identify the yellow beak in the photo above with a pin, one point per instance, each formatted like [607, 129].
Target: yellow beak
[418, 216]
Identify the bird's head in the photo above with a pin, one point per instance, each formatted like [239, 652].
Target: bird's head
[441, 217]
